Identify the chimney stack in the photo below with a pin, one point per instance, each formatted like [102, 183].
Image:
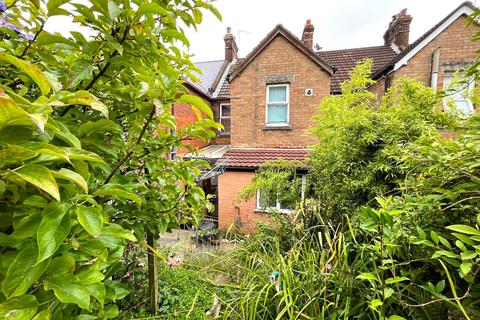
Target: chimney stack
[231, 48]
[307, 36]
[398, 30]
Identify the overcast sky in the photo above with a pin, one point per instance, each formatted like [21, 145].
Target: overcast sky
[338, 24]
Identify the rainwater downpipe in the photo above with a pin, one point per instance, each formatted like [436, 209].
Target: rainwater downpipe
[435, 69]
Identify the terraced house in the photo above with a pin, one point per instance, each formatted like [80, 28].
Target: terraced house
[267, 99]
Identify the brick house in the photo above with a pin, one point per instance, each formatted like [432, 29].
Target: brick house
[267, 99]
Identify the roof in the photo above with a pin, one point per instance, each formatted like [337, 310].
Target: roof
[465, 8]
[252, 158]
[345, 60]
[280, 30]
[210, 71]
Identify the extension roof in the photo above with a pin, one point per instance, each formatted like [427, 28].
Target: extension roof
[252, 158]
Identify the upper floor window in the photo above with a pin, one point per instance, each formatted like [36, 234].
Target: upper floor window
[277, 104]
[225, 119]
[457, 88]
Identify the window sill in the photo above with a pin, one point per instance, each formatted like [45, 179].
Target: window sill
[277, 127]
[284, 211]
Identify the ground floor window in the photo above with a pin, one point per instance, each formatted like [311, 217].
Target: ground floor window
[265, 203]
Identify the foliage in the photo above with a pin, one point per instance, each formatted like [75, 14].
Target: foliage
[85, 130]
[184, 293]
[352, 163]
[390, 230]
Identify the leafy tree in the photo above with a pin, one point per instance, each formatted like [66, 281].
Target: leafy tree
[86, 127]
[352, 163]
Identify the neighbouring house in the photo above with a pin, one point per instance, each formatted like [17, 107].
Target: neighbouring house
[267, 99]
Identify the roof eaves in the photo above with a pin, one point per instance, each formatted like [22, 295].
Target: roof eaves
[192, 87]
[221, 80]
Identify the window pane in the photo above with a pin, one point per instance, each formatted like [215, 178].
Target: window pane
[457, 90]
[226, 125]
[277, 94]
[225, 110]
[277, 113]
[264, 203]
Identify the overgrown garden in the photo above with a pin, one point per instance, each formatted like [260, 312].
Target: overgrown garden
[388, 228]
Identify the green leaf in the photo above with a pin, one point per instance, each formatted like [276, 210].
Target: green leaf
[464, 229]
[374, 304]
[19, 308]
[91, 219]
[68, 289]
[396, 280]
[395, 317]
[113, 10]
[466, 267]
[85, 98]
[12, 114]
[90, 275]
[467, 255]
[366, 276]
[117, 192]
[197, 104]
[53, 229]
[98, 291]
[43, 315]
[80, 71]
[23, 272]
[114, 230]
[80, 154]
[72, 176]
[53, 7]
[30, 70]
[444, 253]
[151, 8]
[61, 265]
[388, 292]
[440, 286]
[46, 148]
[39, 176]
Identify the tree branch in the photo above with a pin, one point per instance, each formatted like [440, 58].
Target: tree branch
[102, 71]
[33, 40]
[130, 152]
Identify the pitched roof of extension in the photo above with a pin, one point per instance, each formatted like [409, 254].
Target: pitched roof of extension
[282, 31]
[252, 158]
[346, 59]
[465, 8]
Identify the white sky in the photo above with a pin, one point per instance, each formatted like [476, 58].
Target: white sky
[338, 23]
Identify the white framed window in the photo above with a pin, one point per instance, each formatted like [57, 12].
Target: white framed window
[457, 88]
[225, 117]
[265, 205]
[278, 105]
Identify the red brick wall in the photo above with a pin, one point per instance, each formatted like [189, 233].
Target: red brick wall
[185, 116]
[279, 58]
[456, 46]
[229, 184]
